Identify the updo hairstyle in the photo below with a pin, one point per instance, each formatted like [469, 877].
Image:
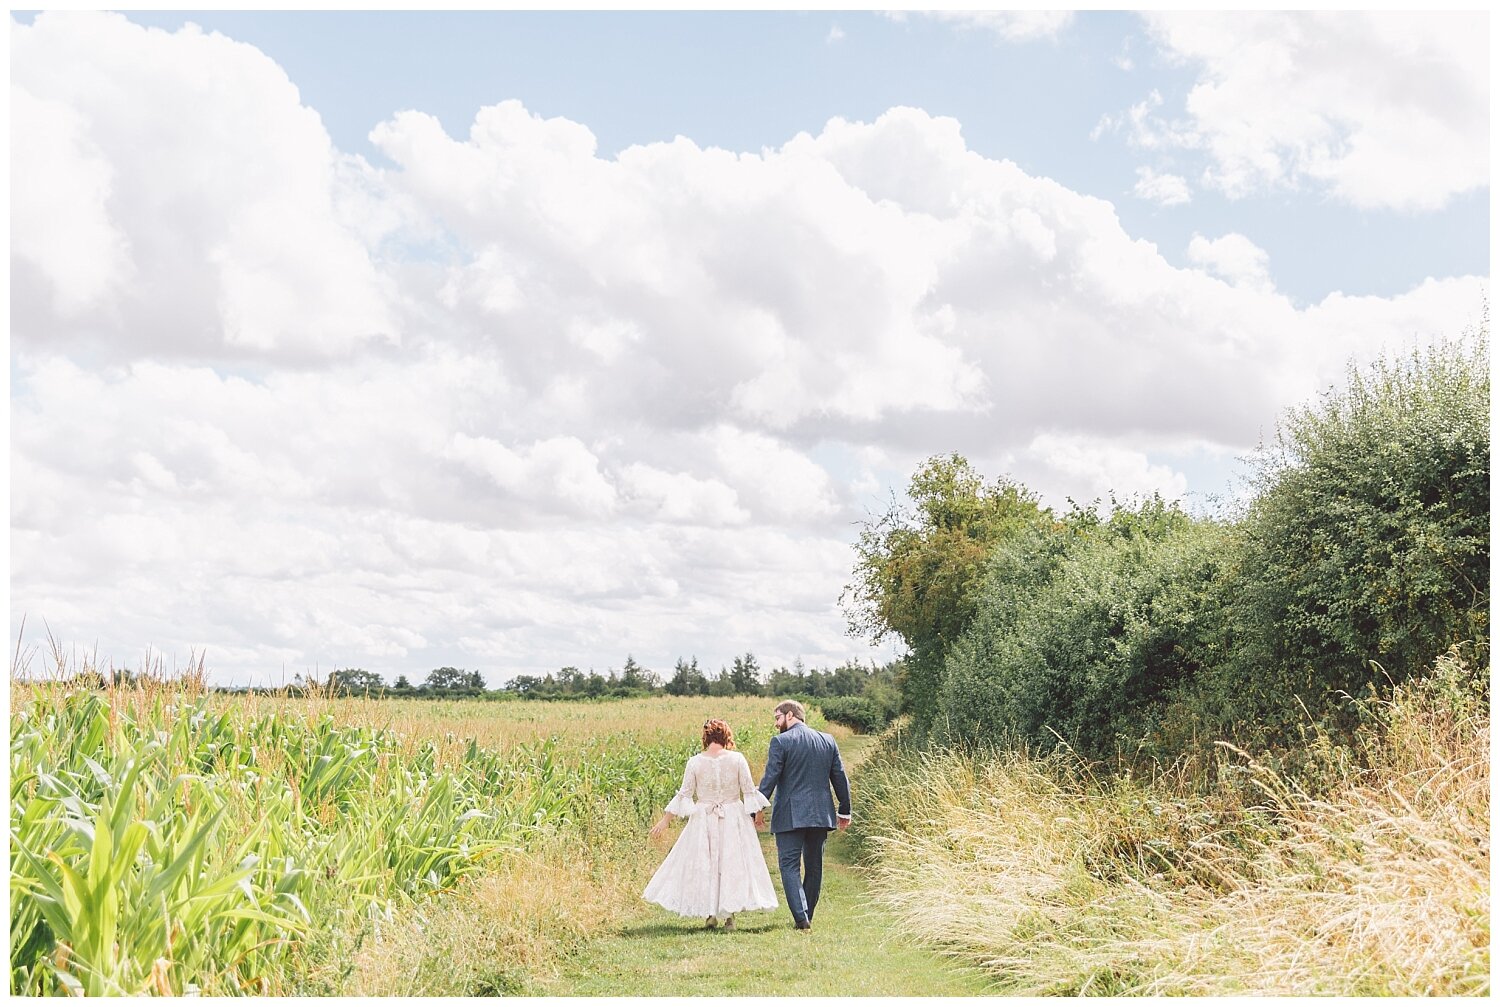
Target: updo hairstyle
[717, 730]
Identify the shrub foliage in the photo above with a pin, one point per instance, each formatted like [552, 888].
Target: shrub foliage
[1084, 630]
[1369, 539]
[1362, 556]
[919, 567]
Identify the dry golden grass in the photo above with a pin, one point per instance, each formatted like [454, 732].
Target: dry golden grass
[1062, 884]
[496, 934]
[581, 728]
[498, 724]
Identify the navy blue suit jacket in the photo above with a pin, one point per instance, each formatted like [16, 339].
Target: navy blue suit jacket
[802, 763]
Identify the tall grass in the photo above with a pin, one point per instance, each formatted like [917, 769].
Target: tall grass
[1059, 882]
[500, 930]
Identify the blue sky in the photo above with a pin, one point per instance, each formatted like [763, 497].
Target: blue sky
[399, 340]
[748, 80]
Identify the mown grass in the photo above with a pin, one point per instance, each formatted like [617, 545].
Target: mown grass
[856, 948]
[169, 840]
[1058, 881]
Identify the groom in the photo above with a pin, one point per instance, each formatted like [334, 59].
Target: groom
[802, 762]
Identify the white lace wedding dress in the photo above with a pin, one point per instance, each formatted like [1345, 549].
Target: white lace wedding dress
[716, 867]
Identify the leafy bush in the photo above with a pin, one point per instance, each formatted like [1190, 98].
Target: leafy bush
[1368, 541]
[863, 713]
[1363, 557]
[919, 568]
[1081, 632]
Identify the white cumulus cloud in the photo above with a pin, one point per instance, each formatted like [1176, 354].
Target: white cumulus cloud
[60, 222]
[184, 163]
[1233, 257]
[1162, 189]
[1380, 109]
[1012, 26]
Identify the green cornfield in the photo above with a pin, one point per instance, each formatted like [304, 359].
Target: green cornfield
[172, 842]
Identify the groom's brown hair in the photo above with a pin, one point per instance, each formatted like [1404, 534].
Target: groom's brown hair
[794, 708]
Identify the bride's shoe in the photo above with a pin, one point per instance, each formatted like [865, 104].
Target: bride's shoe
[729, 923]
[711, 924]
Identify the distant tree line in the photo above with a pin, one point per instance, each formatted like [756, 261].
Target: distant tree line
[447, 683]
[863, 697]
[440, 683]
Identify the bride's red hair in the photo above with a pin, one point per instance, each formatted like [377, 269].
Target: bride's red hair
[717, 730]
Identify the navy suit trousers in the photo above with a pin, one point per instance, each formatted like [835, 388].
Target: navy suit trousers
[800, 855]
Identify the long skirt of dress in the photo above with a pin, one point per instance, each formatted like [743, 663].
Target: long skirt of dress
[715, 868]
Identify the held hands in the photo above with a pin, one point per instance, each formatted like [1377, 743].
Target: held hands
[760, 821]
[844, 823]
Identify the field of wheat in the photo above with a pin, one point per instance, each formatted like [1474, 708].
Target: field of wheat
[167, 840]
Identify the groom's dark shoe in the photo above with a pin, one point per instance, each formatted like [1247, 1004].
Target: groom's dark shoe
[804, 924]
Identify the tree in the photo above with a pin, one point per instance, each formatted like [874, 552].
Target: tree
[720, 685]
[355, 680]
[403, 683]
[744, 676]
[523, 685]
[847, 680]
[788, 682]
[443, 679]
[687, 680]
[918, 568]
[635, 678]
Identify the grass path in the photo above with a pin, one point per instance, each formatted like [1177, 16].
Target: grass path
[855, 948]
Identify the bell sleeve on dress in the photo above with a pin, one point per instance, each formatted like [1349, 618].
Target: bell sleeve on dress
[753, 798]
[682, 804]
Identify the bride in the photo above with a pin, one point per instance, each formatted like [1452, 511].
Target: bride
[715, 868]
